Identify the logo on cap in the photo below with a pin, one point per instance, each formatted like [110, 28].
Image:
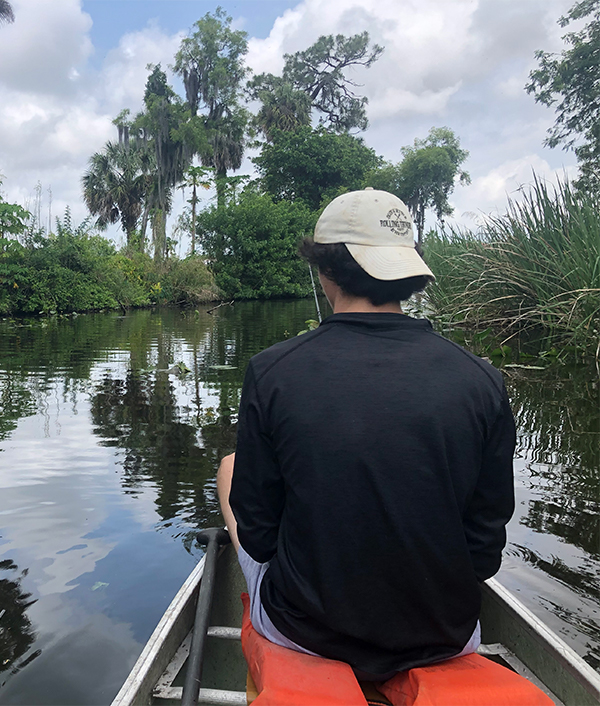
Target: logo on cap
[396, 222]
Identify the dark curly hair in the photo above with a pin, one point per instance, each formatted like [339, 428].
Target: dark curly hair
[335, 262]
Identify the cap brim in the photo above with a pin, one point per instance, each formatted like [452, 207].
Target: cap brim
[389, 263]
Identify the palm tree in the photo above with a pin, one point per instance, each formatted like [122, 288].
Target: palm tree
[195, 177]
[283, 108]
[6, 12]
[225, 147]
[116, 184]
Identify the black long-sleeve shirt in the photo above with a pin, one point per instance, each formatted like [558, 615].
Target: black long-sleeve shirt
[374, 471]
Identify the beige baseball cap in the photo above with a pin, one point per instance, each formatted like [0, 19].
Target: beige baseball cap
[377, 229]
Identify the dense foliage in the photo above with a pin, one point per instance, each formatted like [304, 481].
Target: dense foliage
[537, 268]
[76, 270]
[314, 165]
[211, 64]
[252, 246]
[570, 81]
[13, 219]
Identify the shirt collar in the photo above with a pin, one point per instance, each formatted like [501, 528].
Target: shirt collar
[377, 320]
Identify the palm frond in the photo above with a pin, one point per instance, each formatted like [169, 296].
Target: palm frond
[6, 12]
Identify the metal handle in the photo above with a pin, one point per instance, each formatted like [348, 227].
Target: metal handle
[215, 538]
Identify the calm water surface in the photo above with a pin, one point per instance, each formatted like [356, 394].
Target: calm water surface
[108, 462]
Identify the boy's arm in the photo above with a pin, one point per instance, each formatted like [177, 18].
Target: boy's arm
[257, 490]
[493, 501]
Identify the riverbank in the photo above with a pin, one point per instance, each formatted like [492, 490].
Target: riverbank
[80, 272]
[533, 272]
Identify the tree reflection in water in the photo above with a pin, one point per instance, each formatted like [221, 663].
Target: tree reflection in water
[558, 417]
[141, 415]
[170, 439]
[16, 632]
[169, 433]
[174, 440]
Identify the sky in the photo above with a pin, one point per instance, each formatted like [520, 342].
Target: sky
[68, 67]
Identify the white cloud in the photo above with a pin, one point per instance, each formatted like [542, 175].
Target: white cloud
[509, 180]
[43, 49]
[397, 101]
[418, 40]
[432, 48]
[55, 111]
[461, 63]
[512, 87]
[124, 73]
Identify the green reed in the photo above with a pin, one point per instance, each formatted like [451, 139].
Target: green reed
[536, 267]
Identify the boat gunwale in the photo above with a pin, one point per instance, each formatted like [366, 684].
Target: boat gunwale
[551, 643]
[148, 661]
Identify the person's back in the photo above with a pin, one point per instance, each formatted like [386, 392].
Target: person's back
[373, 474]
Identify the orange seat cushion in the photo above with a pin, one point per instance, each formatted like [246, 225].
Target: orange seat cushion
[472, 680]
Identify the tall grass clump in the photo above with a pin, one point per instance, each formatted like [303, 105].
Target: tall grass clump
[536, 267]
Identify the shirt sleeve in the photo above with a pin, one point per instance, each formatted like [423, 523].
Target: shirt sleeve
[493, 501]
[257, 490]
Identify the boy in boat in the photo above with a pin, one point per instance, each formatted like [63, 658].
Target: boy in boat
[372, 479]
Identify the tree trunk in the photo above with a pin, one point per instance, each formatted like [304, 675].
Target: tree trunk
[159, 234]
[194, 199]
[144, 227]
[420, 223]
[221, 185]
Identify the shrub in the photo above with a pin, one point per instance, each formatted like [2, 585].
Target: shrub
[252, 247]
[76, 270]
[188, 282]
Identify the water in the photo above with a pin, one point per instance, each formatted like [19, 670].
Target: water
[108, 461]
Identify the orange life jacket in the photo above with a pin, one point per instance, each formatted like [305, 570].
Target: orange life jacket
[286, 678]
[471, 680]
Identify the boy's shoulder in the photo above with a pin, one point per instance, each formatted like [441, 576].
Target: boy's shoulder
[265, 360]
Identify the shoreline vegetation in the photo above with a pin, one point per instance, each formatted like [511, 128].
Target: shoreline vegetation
[533, 272]
[530, 274]
[75, 270]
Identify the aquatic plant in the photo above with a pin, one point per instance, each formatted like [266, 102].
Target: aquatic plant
[535, 267]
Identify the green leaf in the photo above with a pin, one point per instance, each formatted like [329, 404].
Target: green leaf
[501, 352]
[480, 336]
[551, 353]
